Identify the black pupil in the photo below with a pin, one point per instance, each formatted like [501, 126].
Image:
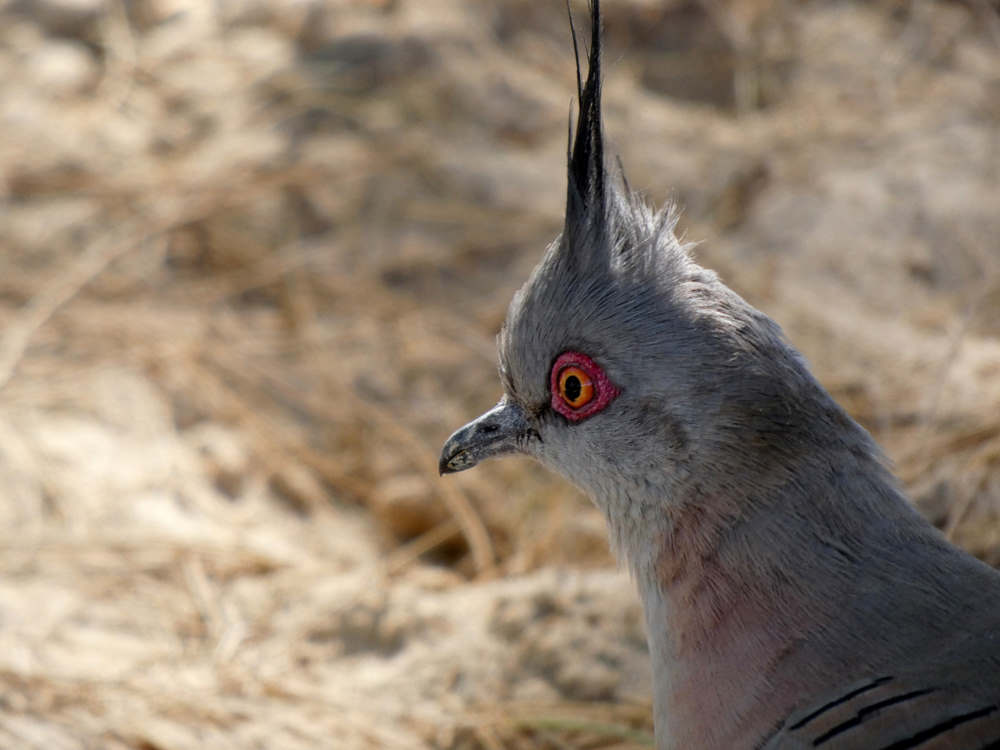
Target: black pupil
[572, 386]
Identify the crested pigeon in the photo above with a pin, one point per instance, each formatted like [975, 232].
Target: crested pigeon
[793, 597]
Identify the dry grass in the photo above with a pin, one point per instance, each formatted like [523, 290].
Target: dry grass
[251, 267]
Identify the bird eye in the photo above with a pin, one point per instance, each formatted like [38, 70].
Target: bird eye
[575, 387]
[579, 386]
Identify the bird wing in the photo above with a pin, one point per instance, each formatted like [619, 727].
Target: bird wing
[887, 713]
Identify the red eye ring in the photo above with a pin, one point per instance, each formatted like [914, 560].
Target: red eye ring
[589, 395]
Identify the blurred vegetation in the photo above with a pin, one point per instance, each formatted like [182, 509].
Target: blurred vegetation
[253, 256]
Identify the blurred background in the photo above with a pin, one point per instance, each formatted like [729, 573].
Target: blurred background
[253, 257]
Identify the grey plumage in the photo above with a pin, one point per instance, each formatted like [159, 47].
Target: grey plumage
[793, 597]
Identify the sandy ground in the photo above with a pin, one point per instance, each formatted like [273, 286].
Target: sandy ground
[253, 256]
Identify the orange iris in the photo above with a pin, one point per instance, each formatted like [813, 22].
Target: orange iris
[575, 387]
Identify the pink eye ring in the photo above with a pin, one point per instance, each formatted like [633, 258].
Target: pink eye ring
[579, 387]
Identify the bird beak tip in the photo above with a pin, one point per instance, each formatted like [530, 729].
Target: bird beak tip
[495, 433]
[454, 462]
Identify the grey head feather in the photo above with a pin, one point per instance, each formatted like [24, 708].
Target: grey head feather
[704, 376]
[585, 196]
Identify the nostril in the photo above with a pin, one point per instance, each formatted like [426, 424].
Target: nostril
[489, 428]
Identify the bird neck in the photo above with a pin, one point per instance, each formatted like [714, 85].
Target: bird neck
[731, 580]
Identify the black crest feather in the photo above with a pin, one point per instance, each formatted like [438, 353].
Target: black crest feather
[585, 191]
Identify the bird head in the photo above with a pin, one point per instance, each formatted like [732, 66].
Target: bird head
[626, 366]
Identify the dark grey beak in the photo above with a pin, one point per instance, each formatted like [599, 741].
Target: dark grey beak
[502, 430]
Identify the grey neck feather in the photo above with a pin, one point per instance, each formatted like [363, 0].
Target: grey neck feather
[728, 576]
